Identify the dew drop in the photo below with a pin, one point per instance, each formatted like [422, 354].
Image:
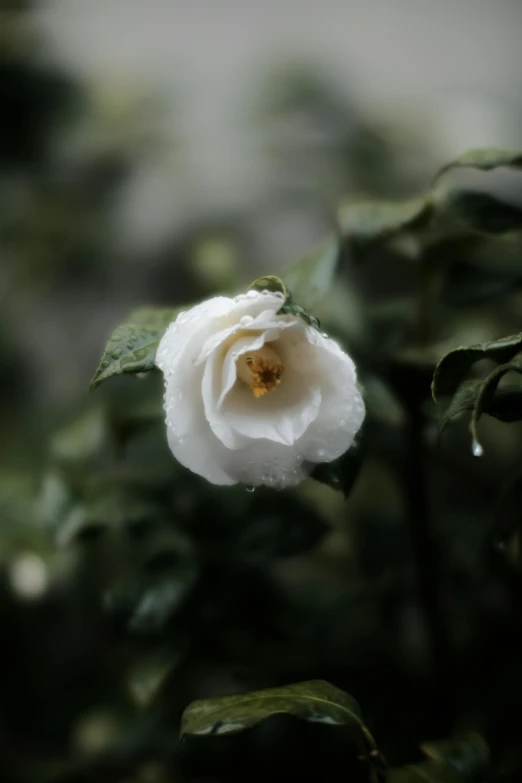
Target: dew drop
[116, 353]
[477, 449]
[245, 319]
[252, 294]
[250, 489]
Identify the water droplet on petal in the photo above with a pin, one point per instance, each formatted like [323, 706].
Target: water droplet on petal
[245, 319]
[252, 294]
[477, 449]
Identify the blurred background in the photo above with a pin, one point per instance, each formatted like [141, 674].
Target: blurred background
[155, 153]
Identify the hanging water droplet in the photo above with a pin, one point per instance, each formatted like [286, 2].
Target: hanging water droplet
[250, 488]
[477, 449]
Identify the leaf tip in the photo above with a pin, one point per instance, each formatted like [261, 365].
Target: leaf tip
[95, 381]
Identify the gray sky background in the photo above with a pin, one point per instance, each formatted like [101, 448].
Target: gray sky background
[451, 67]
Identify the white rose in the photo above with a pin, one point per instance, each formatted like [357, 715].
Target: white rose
[254, 396]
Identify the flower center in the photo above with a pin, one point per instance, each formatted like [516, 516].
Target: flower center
[261, 370]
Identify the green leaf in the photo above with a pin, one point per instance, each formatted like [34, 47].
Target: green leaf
[342, 473]
[133, 345]
[273, 283]
[486, 394]
[316, 701]
[269, 283]
[452, 368]
[464, 759]
[217, 729]
[485, 159]
[311, 277]
[372, 223]
[417, 226]
[505, 405]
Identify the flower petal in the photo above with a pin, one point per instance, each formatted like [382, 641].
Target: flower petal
[240, 346]
[188, 329]
[342, 410]
[266, 319]
[281, 416]
[264, 462]
[218, 429]
[202, 453]
[210, 392]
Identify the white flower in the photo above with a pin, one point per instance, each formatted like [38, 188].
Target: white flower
[254, 396]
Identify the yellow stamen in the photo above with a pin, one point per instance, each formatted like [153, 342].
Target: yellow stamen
[261, 370]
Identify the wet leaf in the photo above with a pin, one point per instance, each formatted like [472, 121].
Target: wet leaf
[483, 158]
[505, 405]
[316, 701]
[269, 283]
[275, 284]
[372, 223]
[289, 718]
[417, 227]
[452, 368]
[486, 394]
[132, 346]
